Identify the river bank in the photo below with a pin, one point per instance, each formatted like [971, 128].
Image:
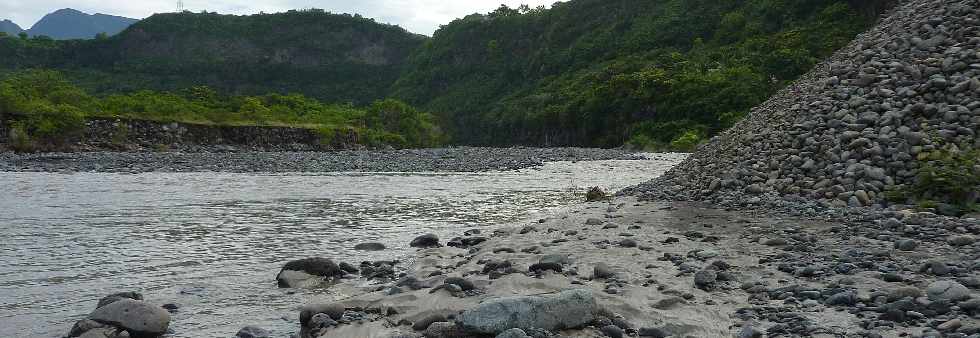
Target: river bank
[463, 159]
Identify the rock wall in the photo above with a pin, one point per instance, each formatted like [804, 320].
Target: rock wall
[862, 121]
[139, 135]
[136, 135]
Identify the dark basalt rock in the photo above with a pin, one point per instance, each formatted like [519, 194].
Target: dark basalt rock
[315, 266]
[425, 241]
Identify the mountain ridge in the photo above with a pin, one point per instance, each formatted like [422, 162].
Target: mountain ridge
[10, 28]
[68, 23]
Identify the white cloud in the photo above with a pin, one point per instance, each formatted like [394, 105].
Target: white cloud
[419, 16]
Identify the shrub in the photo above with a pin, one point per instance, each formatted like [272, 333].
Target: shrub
[43, 108]
[595, 194]
[20, 140]
[951, 176]
[688, 141]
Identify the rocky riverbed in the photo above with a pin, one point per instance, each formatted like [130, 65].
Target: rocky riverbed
[656, 269]
[465, 159]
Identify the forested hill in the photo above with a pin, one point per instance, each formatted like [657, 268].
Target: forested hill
[335, 57]
[664, 73]
[600, 72]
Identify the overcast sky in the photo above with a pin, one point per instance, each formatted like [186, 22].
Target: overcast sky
[418, 16]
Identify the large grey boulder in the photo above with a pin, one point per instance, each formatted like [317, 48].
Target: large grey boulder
[137, 317]
[307, 272]
[947, 290]
[566, 310]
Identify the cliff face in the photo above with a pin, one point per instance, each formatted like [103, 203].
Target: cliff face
[332, 57]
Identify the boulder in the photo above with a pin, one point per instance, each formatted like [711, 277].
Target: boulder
[566, 310]
[962, 240]
[117, 296]
[654, 332]
[602, 271]
[705, 279]
[83, 326]
[383, 270]
[253, 332]
[105, 332]
[307, 272]
[466, 242]
[947, 290]
[335, 311]
[463, 283]
[513, 333]
[347, 268]
[423, 324]
[612, 331]
[560, 259]
[425, 241]
[541, 267]
[444, 330]
[370, 246]
[135, 316]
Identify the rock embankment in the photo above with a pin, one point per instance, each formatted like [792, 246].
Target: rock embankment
[861, 123]
[137, 135]
[102, 134]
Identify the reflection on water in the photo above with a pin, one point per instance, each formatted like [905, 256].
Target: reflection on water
[213, 242]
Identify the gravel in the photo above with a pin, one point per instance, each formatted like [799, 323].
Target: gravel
[422, 160]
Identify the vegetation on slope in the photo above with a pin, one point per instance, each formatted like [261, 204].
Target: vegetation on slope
[604, 72]
[44, 109]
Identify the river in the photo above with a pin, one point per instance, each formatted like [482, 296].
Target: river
[212, 243]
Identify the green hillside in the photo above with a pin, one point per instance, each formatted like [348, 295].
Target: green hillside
[600, 72]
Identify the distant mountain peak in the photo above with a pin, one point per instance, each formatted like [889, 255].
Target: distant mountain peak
[68, 11]
[69, 23]
[10, 27]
